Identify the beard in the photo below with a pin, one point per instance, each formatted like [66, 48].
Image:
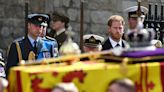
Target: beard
[116, 37]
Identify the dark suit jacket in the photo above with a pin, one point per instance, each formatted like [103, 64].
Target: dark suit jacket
[107, 45]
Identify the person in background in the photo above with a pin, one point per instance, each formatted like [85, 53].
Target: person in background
[133, 22]
[59, 26]
[44, 26]
[2, 65]
[133, 16]
[47, 39]
[92, 42]
[121, 85]
[3, 81]
[115, 29]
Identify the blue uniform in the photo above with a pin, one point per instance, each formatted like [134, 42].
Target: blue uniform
[46, 48]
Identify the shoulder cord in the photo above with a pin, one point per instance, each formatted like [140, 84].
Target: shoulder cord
[19, 52]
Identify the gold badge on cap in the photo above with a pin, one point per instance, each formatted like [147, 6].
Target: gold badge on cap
[92, 39]
[40, 18]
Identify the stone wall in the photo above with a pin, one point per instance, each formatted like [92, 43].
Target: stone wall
[96, 13]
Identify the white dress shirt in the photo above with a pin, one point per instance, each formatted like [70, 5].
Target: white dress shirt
[32, 40]
[60, 31]
[114, 43]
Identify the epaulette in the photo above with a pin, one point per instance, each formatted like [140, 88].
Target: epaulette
[18, 39]
[50, 38]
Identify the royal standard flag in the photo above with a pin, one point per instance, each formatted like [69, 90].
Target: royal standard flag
[87, 76]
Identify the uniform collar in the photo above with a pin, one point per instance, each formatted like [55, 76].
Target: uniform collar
[114, 43]
[32, 40]
[60, 31]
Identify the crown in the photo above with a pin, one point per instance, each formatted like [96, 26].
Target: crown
[140, 38]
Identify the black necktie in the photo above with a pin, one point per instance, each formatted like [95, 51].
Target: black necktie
[35, 48]
[117, 45]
